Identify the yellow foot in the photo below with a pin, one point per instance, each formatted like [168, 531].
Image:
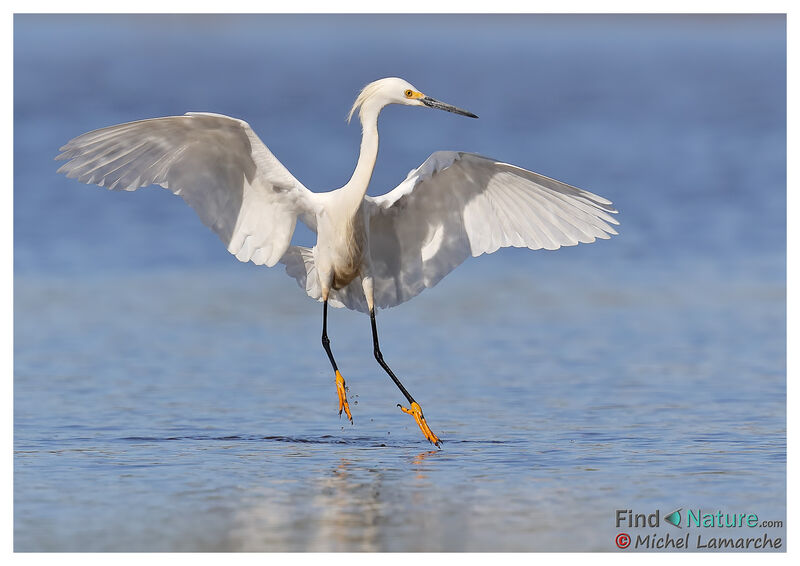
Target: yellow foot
[342, 396]
[416, 412]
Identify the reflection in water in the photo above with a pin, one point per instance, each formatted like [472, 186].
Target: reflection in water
[347, 508]
[418, 461]
[340, 511]
[394, 503]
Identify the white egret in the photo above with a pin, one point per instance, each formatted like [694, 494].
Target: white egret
[370, 251]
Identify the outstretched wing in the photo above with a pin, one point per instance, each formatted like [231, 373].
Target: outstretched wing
[217, 165]
[457, 205]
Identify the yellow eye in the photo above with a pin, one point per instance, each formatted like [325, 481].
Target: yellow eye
[409, 93]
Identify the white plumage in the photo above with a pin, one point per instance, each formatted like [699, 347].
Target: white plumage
[370, 252]
[215, 163]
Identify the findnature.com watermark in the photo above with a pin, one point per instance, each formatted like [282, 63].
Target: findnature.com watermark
[708, 533]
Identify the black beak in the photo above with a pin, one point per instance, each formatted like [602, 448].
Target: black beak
[433, 103]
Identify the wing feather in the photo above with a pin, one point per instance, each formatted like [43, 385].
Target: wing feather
[459, 204]
[217, 164]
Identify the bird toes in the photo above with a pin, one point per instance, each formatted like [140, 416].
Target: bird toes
[416, 412]
[342, 393]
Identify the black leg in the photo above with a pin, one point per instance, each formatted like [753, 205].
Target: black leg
[340, 386]
[379, 357]
[415, 410]
[326, 342]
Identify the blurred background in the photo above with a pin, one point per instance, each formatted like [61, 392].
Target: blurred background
[168, 397]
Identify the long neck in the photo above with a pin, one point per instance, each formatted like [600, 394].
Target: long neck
[356, 187]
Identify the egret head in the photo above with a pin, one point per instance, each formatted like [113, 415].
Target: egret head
[393, 90]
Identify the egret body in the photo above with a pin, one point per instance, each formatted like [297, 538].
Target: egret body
[370, 251]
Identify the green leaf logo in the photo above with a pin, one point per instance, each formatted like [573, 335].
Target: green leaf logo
[674, 518]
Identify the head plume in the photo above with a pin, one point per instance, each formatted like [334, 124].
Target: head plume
[366, 93]
[389, 89]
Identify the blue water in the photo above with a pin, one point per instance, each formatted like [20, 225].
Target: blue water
[168, 397]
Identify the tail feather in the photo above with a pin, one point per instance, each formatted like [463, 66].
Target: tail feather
[299, 262]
